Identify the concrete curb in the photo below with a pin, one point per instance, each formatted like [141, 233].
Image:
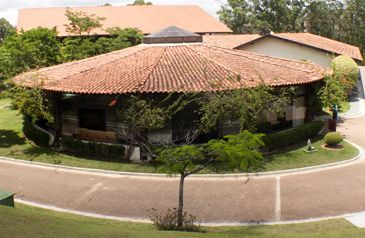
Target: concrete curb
[206, 224]
[213, 176]
[355, 115]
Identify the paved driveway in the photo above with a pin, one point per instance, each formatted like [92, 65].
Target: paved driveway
[328, 192]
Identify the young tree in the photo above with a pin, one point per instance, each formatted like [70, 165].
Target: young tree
[81, 22]
[238, 151]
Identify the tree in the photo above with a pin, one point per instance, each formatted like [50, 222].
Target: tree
[238, 151]
[238, 15]
[325, 18]
[248, 107]
[140, 2]
[6, 29]
[263, 16]
[81, 22]
[353, 24]
[333, 92]
[31, 49]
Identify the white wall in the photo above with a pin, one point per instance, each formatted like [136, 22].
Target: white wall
[280, 48]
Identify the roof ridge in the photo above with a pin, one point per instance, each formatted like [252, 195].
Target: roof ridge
[284, 36]
[215, 62]
[152, 69]
[242, 53]
[315, 35]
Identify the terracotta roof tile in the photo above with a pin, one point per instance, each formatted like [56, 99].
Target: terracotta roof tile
[229, 41]
[322, 43]
[308, 39]
[171, 68]
[146, 18]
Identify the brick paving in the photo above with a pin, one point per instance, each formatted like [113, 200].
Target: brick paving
[329, 192]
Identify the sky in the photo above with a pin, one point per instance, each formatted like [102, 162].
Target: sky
[9, 8]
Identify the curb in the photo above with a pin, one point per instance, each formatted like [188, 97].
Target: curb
[159, 175]
[206, 224]
[357, 114]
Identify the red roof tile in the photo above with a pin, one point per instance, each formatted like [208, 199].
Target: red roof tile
[229, 41]
[307, 39]
[148, 19]
[171, 68]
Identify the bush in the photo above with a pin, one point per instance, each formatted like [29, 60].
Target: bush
[292, 136]
[332, 139]
[168, 221]
[106, 152]
[38, 137]
[347, 70]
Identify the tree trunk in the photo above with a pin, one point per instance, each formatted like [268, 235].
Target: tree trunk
[181, 201]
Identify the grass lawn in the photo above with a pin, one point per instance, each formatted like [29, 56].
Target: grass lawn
[13, 144]
[26, 221]
[295, 157]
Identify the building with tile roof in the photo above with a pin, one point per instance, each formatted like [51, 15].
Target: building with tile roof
[296, 46]
[147, 18]
[162, 66]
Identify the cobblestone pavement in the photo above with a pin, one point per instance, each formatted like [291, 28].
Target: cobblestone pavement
[329, 192]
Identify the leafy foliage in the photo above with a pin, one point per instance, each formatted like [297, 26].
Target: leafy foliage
[34, 48]
[347, 71]
[249, 107]
[239, 151]
[262, 16]
[333, 91]
[75, 48]
[33, 103]
[6, 29]
[80, 22]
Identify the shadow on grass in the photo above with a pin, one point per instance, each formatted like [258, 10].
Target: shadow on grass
[37, 151]
[9, 138]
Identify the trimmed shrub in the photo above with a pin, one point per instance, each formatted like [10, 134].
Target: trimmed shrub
[38, 137]
[332, 139]
[347, 71]
[292, 136]
[104, 151]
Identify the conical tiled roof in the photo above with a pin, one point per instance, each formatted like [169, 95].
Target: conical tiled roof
[172, 34]
[171, 68]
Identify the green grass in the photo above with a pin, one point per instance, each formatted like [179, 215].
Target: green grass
[13, 144]
[26, 221]
[296, 157]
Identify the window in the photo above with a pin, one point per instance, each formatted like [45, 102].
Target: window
[92, 119]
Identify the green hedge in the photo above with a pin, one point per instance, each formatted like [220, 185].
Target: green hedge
[38, 137]
[292, 136]
[104, 152]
